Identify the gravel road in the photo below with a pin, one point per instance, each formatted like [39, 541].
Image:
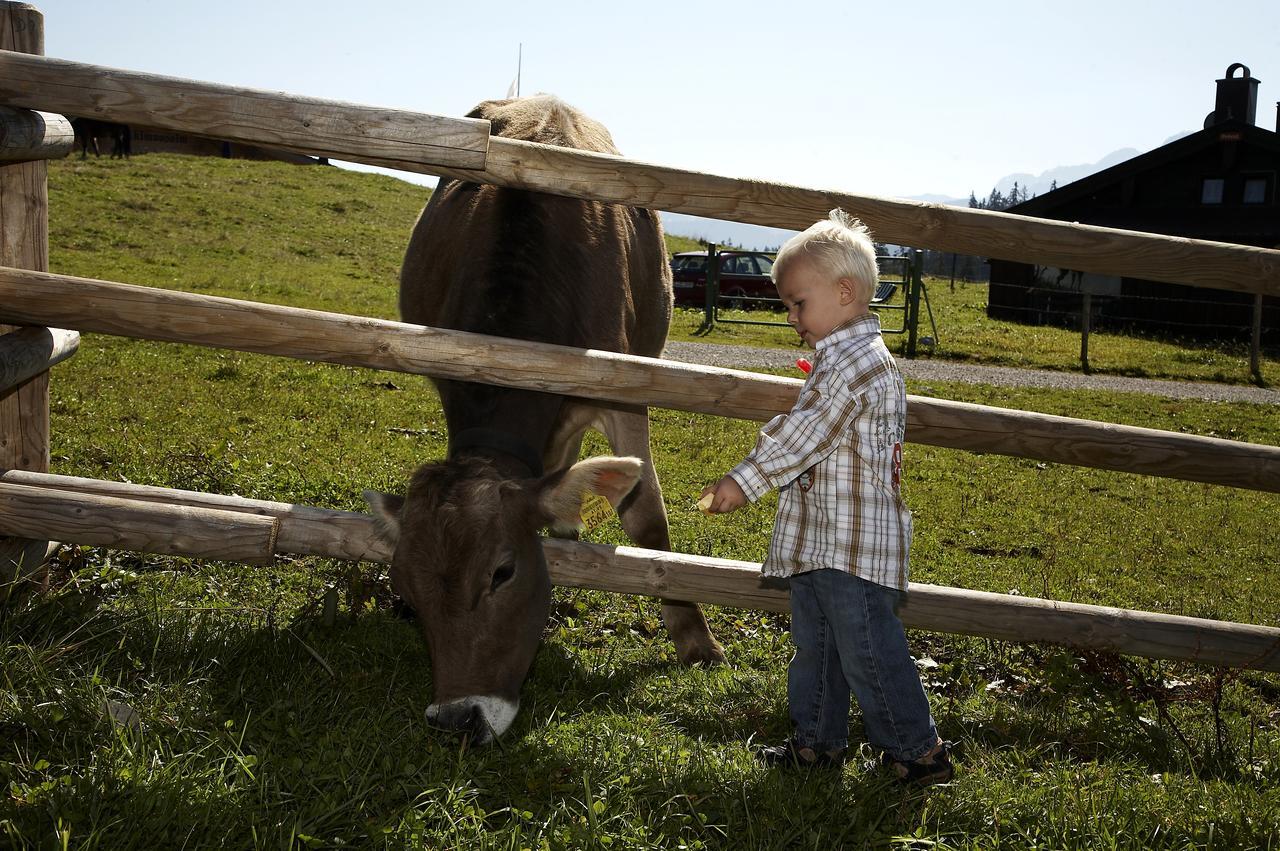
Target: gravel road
[924, 369]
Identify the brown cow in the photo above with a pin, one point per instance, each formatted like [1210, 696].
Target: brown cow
[537, 267]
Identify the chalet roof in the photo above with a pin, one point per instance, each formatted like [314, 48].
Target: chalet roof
[1246, 133]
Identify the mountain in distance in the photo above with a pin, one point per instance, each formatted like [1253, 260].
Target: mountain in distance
[1041, 183]
[754, 237]
[1062, 175]
[940, 199]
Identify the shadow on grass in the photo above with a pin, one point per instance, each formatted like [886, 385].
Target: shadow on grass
[721, 799]
[248, 734]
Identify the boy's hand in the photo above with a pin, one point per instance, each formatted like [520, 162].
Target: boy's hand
[725, 495]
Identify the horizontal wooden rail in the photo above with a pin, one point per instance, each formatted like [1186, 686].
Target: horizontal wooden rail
[27, 135]
[985, 233]
[41, 298]
[431, 144]
[27, 352]
[301, 529]
[323, 128]
[630, 570]
[107, 521]
[722, 582]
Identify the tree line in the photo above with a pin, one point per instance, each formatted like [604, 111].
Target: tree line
[964, 266]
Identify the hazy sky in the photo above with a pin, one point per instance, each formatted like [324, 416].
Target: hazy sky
[887, 98]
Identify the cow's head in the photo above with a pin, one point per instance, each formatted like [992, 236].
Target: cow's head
[469, 560]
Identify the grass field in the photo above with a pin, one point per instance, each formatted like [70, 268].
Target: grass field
[965, 333]
[150, 702]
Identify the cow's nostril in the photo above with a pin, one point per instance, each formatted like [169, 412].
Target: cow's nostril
[476, 725]
[462, 718]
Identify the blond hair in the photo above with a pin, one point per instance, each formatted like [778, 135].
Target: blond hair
[839, 246]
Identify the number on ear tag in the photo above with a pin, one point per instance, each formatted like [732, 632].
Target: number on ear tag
[596, 510]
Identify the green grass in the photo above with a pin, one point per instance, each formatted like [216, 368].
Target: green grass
[965, 333]
[258, 726]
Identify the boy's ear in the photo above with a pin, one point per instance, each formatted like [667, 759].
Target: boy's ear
[848, 291]
[561, 499]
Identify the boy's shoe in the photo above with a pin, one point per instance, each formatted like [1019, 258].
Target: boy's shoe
[791, 754]
[931, 769]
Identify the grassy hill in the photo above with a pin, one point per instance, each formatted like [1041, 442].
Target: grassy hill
[243, 719]
[333, 239]
[325, 238]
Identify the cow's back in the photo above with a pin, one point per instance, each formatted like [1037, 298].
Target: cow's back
[540, 267]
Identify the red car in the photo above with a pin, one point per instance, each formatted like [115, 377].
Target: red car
[744, 278]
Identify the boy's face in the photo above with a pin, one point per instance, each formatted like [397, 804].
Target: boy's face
[816, 304]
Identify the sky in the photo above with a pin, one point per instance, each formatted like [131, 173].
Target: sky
[891, 98]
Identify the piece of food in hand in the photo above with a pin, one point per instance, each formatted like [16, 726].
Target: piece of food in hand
[804, 365]
[704, 504]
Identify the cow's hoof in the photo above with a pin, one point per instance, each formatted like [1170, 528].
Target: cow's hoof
[703, 655]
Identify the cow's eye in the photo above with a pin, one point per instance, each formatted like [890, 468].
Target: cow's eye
[501, 575]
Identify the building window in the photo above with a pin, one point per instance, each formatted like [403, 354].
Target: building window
[1211, 190]
[1255, 190]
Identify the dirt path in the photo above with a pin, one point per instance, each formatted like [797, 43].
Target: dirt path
[924, 369]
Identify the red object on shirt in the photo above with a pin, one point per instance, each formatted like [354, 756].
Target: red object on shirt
[804, 365]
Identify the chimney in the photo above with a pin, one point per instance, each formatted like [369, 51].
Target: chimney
[1237, 96]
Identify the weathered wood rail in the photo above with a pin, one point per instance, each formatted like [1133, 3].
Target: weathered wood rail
[124, 524]
[461, 148]
[141, 518]
[31, 351]
[985, 233]
[311, 126]
[27, 135]
[156, 314]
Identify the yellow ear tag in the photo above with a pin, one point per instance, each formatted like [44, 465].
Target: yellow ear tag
[596, 510]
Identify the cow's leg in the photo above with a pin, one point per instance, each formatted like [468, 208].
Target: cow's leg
[644, 518]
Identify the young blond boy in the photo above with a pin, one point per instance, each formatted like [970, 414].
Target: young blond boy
[843, 533]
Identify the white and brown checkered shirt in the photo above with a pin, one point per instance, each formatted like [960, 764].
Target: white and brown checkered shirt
[837, 459]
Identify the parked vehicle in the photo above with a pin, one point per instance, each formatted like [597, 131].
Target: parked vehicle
[744, 278]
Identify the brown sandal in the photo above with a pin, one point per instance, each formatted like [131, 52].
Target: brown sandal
[929, 770]
[792, 754]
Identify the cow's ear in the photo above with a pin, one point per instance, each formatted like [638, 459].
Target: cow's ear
[386, 514]
[561, 496]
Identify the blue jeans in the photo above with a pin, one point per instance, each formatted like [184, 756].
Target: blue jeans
[848, 637]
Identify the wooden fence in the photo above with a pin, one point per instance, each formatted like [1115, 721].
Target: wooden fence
[154, 314]
[150, 519]
[35, 505]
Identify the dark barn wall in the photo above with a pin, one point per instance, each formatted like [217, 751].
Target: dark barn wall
[1142, 305]
[1163, 191]
[1163, 196]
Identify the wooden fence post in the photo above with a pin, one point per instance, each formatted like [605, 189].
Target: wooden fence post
[1255, 342]
[24, 243]
[1086, 320]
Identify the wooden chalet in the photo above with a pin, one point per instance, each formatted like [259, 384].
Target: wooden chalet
[1219, 183]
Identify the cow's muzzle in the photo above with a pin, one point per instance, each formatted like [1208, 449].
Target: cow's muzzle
[480, 718]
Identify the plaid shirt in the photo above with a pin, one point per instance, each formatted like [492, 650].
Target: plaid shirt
[837, 458]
